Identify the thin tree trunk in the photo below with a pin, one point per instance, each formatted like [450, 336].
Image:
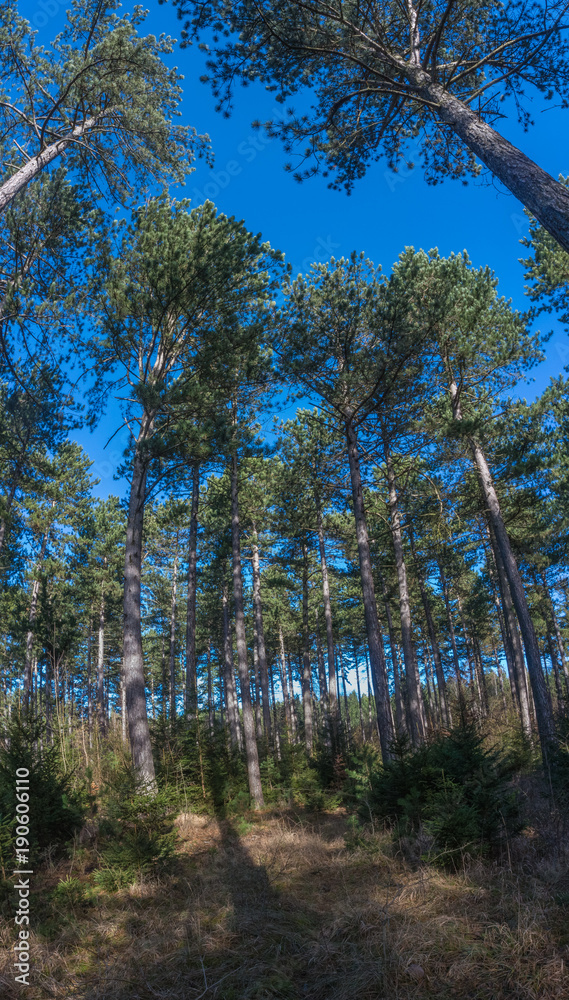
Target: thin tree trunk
[276, 729]
[513, 645]
[133, 661]
[284, 684]
[375, 641]
[332, 683]
[557, 630]
[172, 642]
[89, 684]
[258, 608]
[306, 695]
[253, 772]
[362, 727]
[544, 716]
[31, 622]
[441, 682]
[416, 724]
[191, 673]
[293, 716]
[258, 720]
[101, 715]
[452, 635]
[209, 687]
[401, 722]
[230, 687]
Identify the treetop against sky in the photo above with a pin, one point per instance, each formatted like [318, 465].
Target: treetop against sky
[385, 212]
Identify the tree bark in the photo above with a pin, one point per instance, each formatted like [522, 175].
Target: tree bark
[133, 661]
[446, 718]
[22, 177]
[191, 673]
[284, 683]
[375, 644]
[452, 636]
[101, 714]
[306, 693]
[253, 772]
[261, 651]
[332, 683]
[172, 642]
[545, 197]
[230, 686]
[416, 723]
[31, 622]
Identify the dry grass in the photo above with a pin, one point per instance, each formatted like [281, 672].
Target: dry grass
[282, 909]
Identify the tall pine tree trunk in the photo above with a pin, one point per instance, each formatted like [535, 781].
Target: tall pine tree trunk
[172, 642]
[416, 721]
[229, 675]
[101, 714]
[543, 711]
[33, 612]
[253, 772]
[262, 654]
[306, 693]
[441, 682]
[332, 684]
[375, 641]
[191, 675]
[133, 661]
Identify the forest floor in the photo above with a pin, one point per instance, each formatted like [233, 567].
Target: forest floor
[288, 904]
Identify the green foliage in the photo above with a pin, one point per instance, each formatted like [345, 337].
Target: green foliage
[70, 891]
[452, 789]
[56, 810]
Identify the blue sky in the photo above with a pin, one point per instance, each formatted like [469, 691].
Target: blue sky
[309, 222]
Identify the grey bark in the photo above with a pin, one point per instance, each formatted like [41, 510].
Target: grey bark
[191, 672]
[375, 643]
[413, 690]
[261, 650]
[101, 714]
[332, 683]
[306, 694]
[133, 661]
[31, 622]
[229, 675]
[172, 640]
[446, 717]
[253, 772]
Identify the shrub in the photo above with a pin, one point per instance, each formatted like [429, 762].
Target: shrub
[56, 811]
[453, 789]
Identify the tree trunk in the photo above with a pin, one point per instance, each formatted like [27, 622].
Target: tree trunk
[557, 630]
[253, 772]
[332, 683]
[209, 688]
[401, 722]
[516, 663]
[545, 197]
[229, 675]
[172, 642]
[191, 673]
[258, 720]
[101, 714]
[133, 661]
[544, 715]
[306, 694]
[22, 177]
[89, 683]
[31, 621]
[446, 718]
[375, 643]
[258, 606]
[362, 727]
[452, 636]
[416, 724]
[293, 716]
[284, 684]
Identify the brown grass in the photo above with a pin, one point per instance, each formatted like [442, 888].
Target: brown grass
[284, 910]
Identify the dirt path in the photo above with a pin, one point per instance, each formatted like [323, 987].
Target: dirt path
[279, 907]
